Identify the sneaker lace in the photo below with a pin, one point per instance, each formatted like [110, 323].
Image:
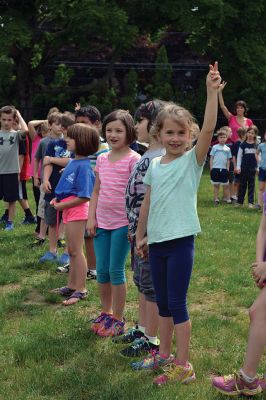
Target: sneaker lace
[173, 370]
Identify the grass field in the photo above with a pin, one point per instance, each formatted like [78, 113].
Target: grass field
[48, 352]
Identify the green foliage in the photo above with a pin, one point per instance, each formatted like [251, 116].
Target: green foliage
[162, 86]
[128, 101]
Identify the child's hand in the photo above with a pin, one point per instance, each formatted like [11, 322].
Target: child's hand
[259, 273]
[142, 248]
[77, 106]
[36, 182]
[91, 227]
[46, 187]
[213, 79]
[238, 171]
[222, 86]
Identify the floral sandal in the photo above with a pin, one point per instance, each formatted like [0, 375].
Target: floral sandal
[63, 291]
[74, 298]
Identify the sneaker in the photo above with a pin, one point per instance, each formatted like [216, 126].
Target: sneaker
[153, 361]
[234, 385]
[140, 347]
[38, 242]
[48, 256]
[250, 205]
[262, 381]
[63, 270]
[63, 259]
[129, 336]
[216, 202]
[175, 373]
[61, 243]
[29, 220]
[111, 327]
[91, 275]
[9, 226]
[257, 207]
[99, 321]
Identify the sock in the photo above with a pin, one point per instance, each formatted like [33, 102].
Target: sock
[247, 378]
[153, 339]
[28, 212]
[141, 329]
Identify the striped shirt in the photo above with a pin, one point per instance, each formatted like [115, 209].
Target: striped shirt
[111, 206]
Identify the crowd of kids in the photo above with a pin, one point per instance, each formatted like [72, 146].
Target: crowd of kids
[95, 184]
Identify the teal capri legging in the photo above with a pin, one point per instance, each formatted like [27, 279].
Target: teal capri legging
[111, 249]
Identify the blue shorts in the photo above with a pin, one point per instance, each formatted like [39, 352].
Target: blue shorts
[262, 175]
[111, 249]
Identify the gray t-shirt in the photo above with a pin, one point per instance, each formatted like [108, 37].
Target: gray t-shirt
[9, 161]
[41, 151]
[135, 190]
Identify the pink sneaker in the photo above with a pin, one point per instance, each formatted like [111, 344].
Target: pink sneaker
[263, 383]
[99, 321]
[175, 373]
[234, 385]
[111, 327]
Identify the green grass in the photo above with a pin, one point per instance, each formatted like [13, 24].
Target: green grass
[48, 352]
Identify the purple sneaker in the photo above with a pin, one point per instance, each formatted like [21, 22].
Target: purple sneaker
[263, 383]
[234, 385]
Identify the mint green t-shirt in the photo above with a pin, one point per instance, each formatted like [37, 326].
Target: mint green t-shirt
[173, 203]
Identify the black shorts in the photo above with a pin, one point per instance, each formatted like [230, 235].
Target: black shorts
[22, 190]
[9, 187]
[219, 176]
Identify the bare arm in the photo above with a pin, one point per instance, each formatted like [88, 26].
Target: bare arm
[228, 164]
[223, 107]
[32, 127]
[211, 162]
[239, 160]
[35, 172]
[47, 171]
[61, 162]
[68, 204]
[91, 225]
[143, 220]
[261, 240]
[22, 123]
[213, 81]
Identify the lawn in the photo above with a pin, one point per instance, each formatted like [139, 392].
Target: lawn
[48, 352]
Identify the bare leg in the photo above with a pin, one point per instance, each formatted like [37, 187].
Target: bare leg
[257, 337]
[216, 192]
[52, 239]
[78, 267]
[142, 310]
[11, 210]
[119, 300]
[262, 186]
[106, 297]
[24, 204]
[90, 255]
[61, 230]
[43, 229]
[152, 319]
[226, 192]
[183, 333]
[166, 328]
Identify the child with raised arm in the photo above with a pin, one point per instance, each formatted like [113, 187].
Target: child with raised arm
[108, 222]
[73, 192]
[246, 382]
[169, 215]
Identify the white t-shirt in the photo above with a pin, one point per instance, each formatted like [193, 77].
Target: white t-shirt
[221, 154]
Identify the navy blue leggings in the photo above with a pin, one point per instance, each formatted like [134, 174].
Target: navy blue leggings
[171, 266]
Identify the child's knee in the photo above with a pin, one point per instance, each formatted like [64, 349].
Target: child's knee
[117, 277]
[257, 310]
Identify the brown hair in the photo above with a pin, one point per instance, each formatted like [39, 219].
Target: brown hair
[8, 110]
[67, 121]
[253, 128]
[175, 112]
[243, 104]
[54, 117]
[86, 138]
[241, 132]
[127, 121]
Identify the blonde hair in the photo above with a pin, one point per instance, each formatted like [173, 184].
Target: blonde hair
[178, 114]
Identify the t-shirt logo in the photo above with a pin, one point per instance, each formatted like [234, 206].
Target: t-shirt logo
[11, 140]
[70, 178]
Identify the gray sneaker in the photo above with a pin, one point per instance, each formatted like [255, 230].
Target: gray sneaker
[63, 270]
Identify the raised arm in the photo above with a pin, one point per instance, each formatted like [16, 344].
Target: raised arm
[223, 107]
[32, 127]
[22, 123]
[213, 81]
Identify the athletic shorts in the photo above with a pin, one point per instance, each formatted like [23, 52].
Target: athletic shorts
[262, 175]
[77, 213]
[50, 214]
[9, 190]
[219, 176]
